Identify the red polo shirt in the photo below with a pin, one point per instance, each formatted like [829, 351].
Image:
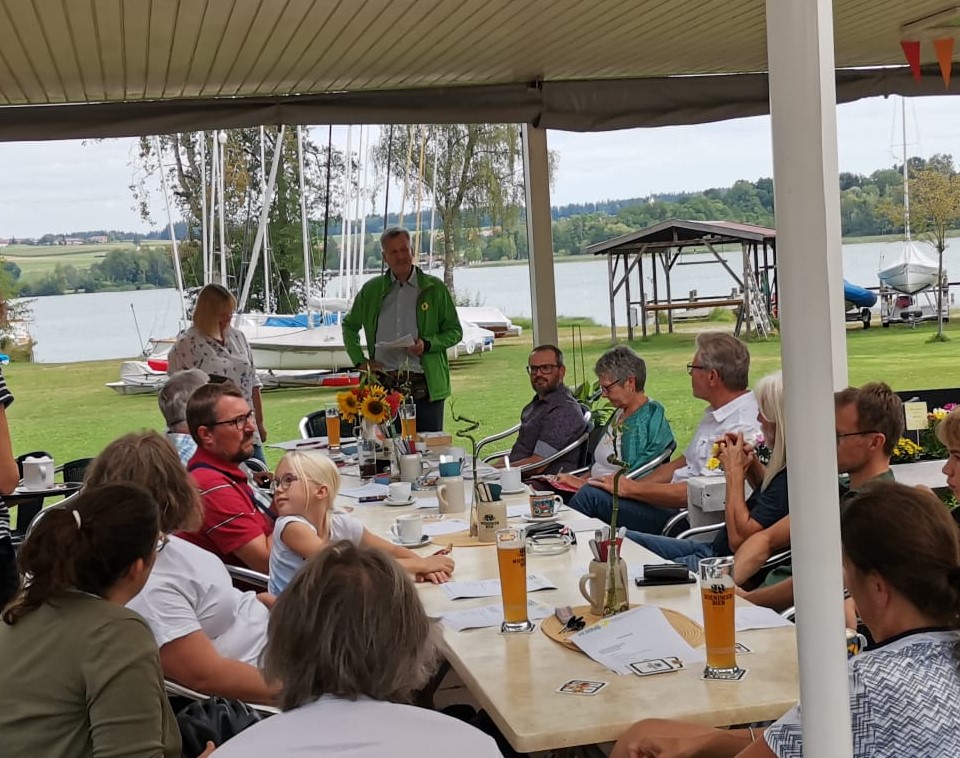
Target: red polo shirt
[230, 518]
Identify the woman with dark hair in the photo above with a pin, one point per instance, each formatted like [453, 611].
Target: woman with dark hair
[79, 672]
[901, 564]
[350, 643]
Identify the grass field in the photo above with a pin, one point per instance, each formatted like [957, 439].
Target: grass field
[66, 410]
[36, 260]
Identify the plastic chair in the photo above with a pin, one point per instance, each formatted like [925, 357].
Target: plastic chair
[248, 577]
[315, 425]
[579, 442]
[74, 471]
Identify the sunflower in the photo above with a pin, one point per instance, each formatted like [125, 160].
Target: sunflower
[375, 409]
[349, 405]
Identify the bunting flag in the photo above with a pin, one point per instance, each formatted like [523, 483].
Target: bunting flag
[944, 50]
[911, 51]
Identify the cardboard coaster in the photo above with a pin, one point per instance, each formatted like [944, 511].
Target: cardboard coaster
[686, 627]
[460, 539]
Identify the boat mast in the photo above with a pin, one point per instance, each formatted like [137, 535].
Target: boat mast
[433, 192]
[342, 284]
[221, 142]
[361, 195]
[326, 211]
[214, 183]
[267, 300]
[203, 207]
[906, 171]
[304, 227]
[173, 233]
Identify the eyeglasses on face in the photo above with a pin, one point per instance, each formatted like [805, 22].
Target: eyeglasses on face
[283, 483]
[543, 368]
[841, 435]
[239, 422]
[691, 367]
[605, 388]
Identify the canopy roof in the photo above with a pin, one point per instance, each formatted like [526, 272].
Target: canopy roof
[678, 233]
[123, 67]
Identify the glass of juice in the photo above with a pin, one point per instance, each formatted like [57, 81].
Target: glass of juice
[332, 412]
[718, 595]
[408, 421]
[512, 561]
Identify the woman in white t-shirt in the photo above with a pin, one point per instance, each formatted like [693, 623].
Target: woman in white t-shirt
[305, 489]
[209, 633]
[351, 643]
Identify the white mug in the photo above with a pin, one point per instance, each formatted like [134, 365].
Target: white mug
[451, 494]
[455, 453]
[399, 492]
[593, 584]
[412, 466]
[510, 479]
[490, 517]
[37, 472]
[408, 529]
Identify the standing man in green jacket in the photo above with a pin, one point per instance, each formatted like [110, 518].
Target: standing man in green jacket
[405, 305]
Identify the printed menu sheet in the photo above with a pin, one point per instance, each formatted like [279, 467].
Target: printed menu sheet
[491, 587]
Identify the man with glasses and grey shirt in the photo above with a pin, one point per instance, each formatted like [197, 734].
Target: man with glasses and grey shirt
[409, 320]
[719, 374]
[553, 419]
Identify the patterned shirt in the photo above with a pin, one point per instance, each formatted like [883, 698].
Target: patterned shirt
[183, 444]
[5, 399]
[398, 318]
[549, 424]
[903, 700]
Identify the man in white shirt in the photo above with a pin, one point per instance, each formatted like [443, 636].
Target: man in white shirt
[719, 374]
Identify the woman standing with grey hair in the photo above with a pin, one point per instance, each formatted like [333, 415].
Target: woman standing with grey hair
[350, 643]
[642, 425]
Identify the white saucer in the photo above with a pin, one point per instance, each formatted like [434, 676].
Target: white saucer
[423, 541]
[522, 488]
[538, 519]
[397, 503]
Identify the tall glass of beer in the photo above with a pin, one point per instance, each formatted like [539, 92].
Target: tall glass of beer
[332, 412]
[512, 560]
[718, 594]
[408, 421]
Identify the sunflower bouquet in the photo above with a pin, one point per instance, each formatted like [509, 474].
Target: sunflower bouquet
[370, 402]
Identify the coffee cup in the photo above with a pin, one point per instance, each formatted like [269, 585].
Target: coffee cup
[544, 504]
[408, 529]
[510, 479]
[412, 466]
[37, 472]
[491, 516]
[451, 468]
[593, 584]
[455, 453]
[399, 492]
[451, 494]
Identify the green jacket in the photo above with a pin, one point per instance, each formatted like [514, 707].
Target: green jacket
[437, 323]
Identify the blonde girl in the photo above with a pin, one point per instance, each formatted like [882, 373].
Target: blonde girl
[305, 488]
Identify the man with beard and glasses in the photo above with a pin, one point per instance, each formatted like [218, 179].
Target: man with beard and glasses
[235, 526]
[553, 419]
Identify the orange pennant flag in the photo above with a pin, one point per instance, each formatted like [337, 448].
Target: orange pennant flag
[944, 49]
[911, 51]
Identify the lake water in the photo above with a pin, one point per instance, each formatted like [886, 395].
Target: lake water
[102, 325]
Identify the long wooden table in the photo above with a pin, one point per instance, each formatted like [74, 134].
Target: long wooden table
[515, 677]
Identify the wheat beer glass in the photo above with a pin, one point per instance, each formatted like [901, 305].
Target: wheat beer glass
[512, 559]
[332, 413]
[718, 594]
[408, 421]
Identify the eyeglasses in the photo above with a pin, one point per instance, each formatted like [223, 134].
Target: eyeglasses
[283, 483]
[605, 388]
[543, 368]
[239, 422]
[841, 435]
[692, 366]
[162, 541]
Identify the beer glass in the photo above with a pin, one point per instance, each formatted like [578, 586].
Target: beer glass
[512, 560]
[408, 421]
[718, 594]
[332, 413]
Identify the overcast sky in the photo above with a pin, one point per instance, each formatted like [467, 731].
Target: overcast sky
[69, 186]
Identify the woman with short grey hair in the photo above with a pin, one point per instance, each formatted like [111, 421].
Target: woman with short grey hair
[639, 423]
[350, 644]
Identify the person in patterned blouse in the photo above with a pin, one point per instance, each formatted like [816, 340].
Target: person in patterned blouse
[901, 564]
[9, 478]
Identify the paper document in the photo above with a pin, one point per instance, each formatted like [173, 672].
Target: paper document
[491, 587]
[438, 528]
[637, 635]
[406, 340]
[490, 615]
[427, 502]
[585, 525]
[750, 617]
[367, 490]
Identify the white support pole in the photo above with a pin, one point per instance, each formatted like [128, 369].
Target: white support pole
[262, 226]
[221, 149]
[543, 295]
[803, 110]
[173, 233]
[214, 184]
[304, 227]
[205, 247]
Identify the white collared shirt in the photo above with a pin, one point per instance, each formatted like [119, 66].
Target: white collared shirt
[739, 415]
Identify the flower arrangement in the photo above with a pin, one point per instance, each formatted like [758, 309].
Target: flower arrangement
[760, 448]
[931, 446]
[906, 451]
[369, 401]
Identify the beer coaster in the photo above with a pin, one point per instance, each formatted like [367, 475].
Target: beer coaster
[460, 539]
[581, 687]
[734, 676]
[656, 666]
[686, 627]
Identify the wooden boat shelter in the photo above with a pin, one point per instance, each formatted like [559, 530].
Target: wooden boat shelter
[663, 244]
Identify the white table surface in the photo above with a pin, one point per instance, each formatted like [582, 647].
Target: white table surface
[514, 677]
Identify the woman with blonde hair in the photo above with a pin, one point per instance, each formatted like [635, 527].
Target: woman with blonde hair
[305, 489]
[210, 634]
[743, 516]
[214, 346]
[350, 642]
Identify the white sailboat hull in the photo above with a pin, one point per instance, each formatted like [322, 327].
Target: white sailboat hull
[909, 278]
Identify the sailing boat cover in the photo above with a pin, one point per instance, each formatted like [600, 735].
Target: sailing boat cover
[912, 272]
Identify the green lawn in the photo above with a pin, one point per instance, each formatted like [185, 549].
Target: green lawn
[66, 410]
[37, 260]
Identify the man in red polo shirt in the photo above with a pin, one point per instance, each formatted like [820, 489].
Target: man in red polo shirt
[235, 527]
